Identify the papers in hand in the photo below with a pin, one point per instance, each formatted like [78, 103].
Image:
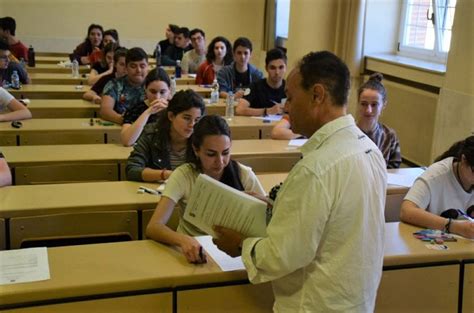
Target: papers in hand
[214, 203]
[225, 262]
[23, 265]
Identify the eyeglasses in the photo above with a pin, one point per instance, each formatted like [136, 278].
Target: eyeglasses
[455, 213]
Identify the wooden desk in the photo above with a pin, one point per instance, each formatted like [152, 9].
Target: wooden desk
[3, 242]
[67, 79]
[69, 163]
[80, 131]
[55, 59]
[49, 91]
[468, 299]
[129, 269]
[54, 68]
[63, 108]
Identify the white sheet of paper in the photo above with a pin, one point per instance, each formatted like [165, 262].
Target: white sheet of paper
[23, 265]
[297, 142]
[400, 180]
[225, 262]
[273, 118]
[214, 203]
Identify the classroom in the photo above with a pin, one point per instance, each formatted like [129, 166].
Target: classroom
[106, 185]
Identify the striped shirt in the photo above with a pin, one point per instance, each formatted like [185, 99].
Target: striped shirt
[386, 139]
[177, 158]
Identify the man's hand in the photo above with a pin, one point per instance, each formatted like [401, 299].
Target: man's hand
[229, 241]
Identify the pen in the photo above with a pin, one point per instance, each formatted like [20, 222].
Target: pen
[150, 191]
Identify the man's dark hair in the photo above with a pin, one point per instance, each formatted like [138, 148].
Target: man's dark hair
[327, 69]
[4, 45]
[195, 31]
[173, 27]
[275, 54]
[136, 54]
[242, 42]
[184, 31]
[8, 23]
[120, 52]
[114, 33]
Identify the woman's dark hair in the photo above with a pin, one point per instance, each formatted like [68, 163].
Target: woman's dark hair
[181, 101]
[120, 52]
[464, 147]
[157, 74]
[374, 83]
[111, 47]
[214, 125]
[94, 26]
[211, 56]
[113, 33]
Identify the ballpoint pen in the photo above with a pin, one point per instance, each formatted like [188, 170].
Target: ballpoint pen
[149, 190]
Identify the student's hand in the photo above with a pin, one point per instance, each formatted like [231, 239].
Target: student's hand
[192, 250]
[463, 228]
[258, 196]
[276, 109]
[229, 241]
[97, 99]
[85, 60]
[157, 105]
[239, 94]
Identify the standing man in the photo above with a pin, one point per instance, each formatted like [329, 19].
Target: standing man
[266, 94]
[238, 76]
[324, 246]
[7, 32]
[193, 58]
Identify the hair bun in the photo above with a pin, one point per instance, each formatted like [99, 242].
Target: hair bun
[378, 77]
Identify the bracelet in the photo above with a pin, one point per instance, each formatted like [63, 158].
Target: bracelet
[448, 226]
[162, 175]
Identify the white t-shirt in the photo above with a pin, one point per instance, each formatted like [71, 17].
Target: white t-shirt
[180, 184]
[437, 189]
[5, 99]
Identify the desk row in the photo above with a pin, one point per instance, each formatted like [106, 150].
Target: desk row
[145, 276]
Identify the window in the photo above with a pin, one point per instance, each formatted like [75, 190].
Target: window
[282, 18]
[425, 28]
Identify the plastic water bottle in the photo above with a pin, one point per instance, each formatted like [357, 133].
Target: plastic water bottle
[75, 69]
[215, 91]
[173, 85]
[31, 57]
[157, 54]
[229, 107]
[15, 80]
[177, 71]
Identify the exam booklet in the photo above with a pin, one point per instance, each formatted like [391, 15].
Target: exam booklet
[214, 203]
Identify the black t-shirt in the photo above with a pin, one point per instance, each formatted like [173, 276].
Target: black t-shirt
[99, 68]
[242, 80]
[261, 94]
[99, 85]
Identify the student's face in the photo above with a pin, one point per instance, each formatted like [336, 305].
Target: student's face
[180, 41]
[220, 50]
[214, 154]
[108, 39]
[198, 41]
[95, 37]
[4, 54]
[182, 123]
[120, 67]
[137, 71]
[109, 57]
[370, 106]
[276, 70]
[242, 55]
[157, 89]
[299, 102]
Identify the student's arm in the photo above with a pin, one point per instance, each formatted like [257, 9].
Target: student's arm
[107, 110]
[412, 214]
[131, 131]
[5, 174]
[282, 130]
[18, 112]
[92, 96]
[243, 108]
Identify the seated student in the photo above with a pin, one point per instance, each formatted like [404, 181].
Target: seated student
[192, 59]
[211, 144]
[120, 70]
[239, 75]
[444, 192]
[158, 93]
[175, 52]
[12, 109]
[92, 43]
[105, 66]
[121, 93]
[171, 29]
[110, 36]
[162, 146]
[5, 174]
[372, 101]
[7, 67]
[219, 54]
[266, 94]
[7, 32]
